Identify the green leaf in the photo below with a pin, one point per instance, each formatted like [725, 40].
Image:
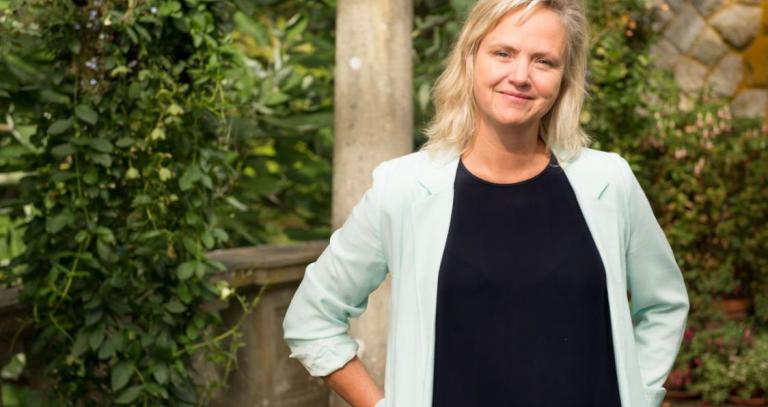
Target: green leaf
[104, 251]
[81, 343]
[175, 306]
[99, 144]
[250, 27]
[121, 374]
[54, 97]
[200, 269]
[96, 338]
[81, 236]
[129, 395]
[207, 239]
[186, 270]
[23, 134]
[175, 110]
[57, 222]
[190, 176]
[190, 245]
[86, 114]
[107, 349]
[141, 200]
[63, 150]
[12, 370]
[169, 7]
[103, 159]
[91, 176]
[59, 126]
[11, 395]
[217, 265]
[123, 142]
[160, 373]
[276, 98]
[93, 316]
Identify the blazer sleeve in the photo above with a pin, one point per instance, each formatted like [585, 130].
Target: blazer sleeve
[659, 300]
[336, 287]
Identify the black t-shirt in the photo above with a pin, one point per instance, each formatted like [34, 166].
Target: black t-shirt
[522, 309]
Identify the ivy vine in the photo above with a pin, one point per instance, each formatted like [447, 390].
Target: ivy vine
[130, 127]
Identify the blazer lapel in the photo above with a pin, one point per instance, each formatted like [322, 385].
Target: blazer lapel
[431, 215]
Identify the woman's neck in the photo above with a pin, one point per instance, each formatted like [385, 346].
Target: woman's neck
[506, 157]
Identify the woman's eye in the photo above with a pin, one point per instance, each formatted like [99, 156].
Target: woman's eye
[502, 54]
[545, 62]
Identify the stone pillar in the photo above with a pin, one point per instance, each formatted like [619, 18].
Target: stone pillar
[373, 123]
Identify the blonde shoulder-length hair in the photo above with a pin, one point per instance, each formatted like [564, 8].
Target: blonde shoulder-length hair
[453, 125]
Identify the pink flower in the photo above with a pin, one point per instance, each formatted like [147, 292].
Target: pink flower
[688, 335]
[699, 166]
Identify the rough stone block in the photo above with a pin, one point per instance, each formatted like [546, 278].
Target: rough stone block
[738, 24]
[709, 47]
[756, 61]
[664, 54]
[751, 103]
[685, 28]
[676, 5]
[707, 7]
[727, 76]
[662, 14]
[690, 75]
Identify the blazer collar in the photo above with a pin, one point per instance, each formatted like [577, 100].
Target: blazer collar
[587, 180]
[439, 173]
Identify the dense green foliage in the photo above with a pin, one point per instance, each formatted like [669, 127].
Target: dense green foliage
[127, 155]
[284, 135]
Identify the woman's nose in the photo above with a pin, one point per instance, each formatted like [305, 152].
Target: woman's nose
[518, 74]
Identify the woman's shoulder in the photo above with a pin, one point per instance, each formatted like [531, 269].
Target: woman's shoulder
[410, 176]
[593, 162]
[413, 167]
[593, 171]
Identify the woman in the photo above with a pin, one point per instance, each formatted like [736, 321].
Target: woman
[511, 245]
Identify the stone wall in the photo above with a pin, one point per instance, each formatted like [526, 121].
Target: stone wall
[718, 44]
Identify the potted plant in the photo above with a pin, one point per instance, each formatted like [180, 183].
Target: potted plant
[750, 372]
[707, 188]
[680, 377]
[715, 349]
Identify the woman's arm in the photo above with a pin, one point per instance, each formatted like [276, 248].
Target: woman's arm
[354, 385]
[336, 288]
[659, 304]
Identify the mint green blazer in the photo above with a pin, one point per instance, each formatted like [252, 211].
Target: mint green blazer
[400, 227]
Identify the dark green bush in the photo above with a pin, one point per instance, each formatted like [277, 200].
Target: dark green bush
[126, 104]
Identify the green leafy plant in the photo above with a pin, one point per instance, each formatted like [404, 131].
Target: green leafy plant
[715, 349]
[750, 370]
[707, 179]
[284, 135]
[127, 107]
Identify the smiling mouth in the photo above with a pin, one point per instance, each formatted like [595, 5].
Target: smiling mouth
[517, 97]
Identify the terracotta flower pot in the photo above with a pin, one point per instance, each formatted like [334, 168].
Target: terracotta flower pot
[736, 308]
[679, 395]
[755, 401]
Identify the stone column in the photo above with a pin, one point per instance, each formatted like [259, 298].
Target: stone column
[373, 123]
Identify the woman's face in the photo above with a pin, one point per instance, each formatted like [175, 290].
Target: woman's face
[519, 68]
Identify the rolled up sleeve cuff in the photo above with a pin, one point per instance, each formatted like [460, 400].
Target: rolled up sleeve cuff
[322, 357]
